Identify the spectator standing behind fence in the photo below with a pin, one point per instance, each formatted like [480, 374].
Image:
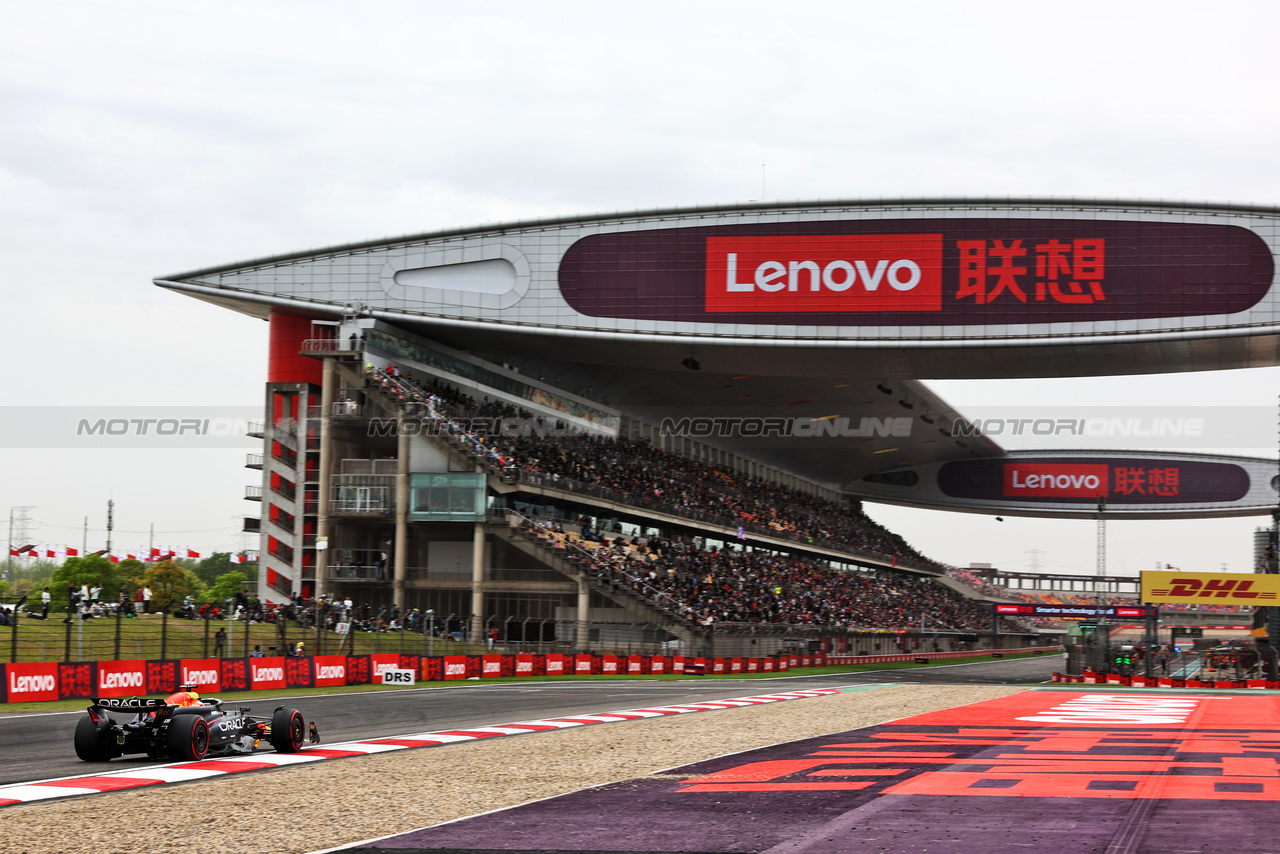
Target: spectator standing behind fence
[146, 600]
[45, 598]
[219, 643]
[72, 599]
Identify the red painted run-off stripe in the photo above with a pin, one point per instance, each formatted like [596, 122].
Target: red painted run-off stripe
[178, 772]
[107, 783]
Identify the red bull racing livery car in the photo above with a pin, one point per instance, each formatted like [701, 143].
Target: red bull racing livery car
[184, 726]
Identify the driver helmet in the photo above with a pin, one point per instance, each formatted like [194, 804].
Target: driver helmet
[183, 698]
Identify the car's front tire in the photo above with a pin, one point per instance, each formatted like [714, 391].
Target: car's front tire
[188, 738]
[92, 744]
[288, 730]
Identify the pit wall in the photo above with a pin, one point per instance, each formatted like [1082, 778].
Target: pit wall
[34, 682]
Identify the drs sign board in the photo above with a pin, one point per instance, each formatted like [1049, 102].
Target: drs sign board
[397, 676]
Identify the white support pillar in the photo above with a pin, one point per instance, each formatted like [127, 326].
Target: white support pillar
[329, 380]
[402, 513]
[584, 614]
[477, 585]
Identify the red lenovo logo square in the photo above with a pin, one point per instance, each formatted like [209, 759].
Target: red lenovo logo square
[1048, 480]
[827, 273]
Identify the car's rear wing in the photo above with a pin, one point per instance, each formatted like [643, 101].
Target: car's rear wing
[141, 704]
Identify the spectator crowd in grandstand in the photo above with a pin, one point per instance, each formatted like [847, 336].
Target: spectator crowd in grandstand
[705, 585]
[649, 477]
[710, 585]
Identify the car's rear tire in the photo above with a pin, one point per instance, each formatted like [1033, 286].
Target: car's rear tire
[288, 730]
[188, 738]
[94, 745]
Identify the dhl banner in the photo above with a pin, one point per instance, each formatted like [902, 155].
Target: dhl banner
[1216, 588]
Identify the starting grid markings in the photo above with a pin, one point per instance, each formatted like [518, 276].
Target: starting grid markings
[181, 772]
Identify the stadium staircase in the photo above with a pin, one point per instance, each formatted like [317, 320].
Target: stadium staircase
[569, 558]
[560, 554]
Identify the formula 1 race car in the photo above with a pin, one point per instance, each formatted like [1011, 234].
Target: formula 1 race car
[183, 726]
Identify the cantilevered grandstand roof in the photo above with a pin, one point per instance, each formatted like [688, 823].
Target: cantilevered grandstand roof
[824, 314]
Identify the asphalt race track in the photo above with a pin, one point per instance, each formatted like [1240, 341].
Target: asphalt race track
[38, 746]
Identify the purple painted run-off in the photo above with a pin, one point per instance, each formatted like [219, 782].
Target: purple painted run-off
[993, 785]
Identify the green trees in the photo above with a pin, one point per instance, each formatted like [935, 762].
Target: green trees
[89, 570]
[131, 572]
[213, 567]
[212, 580]
[225, 587]
[168, 582]
[32, 579]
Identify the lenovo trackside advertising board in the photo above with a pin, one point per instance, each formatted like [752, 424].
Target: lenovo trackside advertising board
[121, 678]
[935, 272]
[1072, 612]
[31, 682]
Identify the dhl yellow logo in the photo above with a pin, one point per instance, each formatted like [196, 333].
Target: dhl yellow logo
[1215, 587]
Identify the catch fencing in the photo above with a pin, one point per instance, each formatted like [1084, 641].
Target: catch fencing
[330, 631]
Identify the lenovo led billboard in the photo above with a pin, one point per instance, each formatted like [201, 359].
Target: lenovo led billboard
[944, 272]
[1119, 480]
[1064, 483]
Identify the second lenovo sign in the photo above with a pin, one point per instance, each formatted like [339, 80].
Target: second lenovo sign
[1023, 480]
[1120, 479]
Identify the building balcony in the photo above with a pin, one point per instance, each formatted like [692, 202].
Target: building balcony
[340, 348]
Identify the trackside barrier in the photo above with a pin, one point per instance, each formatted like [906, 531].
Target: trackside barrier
[931, 656]
[1091, 678]
[26, 682]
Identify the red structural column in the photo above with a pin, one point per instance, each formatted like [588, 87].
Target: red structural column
[284, 363]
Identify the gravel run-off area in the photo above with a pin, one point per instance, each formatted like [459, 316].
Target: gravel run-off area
[330, 803]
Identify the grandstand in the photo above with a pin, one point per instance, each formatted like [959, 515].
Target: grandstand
[584, 523]
[671, 418]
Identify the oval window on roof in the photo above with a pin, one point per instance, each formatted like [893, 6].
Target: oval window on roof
[496, 276]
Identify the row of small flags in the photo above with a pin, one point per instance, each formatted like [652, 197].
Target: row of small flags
[148, 555]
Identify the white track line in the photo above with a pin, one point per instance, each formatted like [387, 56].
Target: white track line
[107, 781]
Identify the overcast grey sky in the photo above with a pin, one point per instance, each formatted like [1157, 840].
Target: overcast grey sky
[142, 139]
